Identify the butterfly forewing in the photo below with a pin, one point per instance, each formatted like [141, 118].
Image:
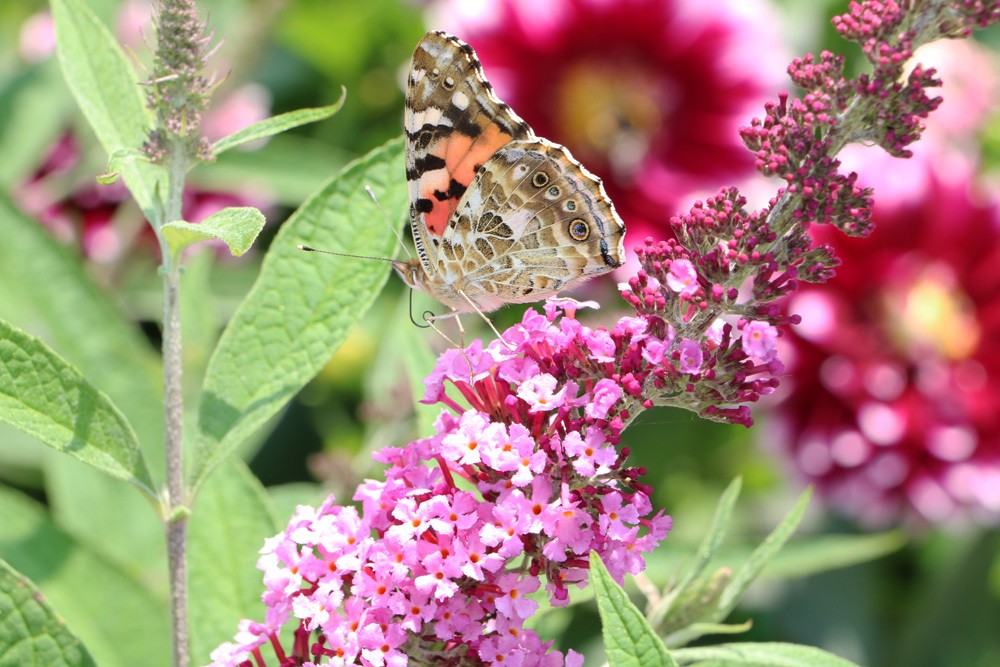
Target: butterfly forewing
[454, 122]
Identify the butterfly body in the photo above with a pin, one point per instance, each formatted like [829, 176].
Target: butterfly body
[498, 215]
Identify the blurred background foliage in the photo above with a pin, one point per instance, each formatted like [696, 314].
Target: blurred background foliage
[929, 593]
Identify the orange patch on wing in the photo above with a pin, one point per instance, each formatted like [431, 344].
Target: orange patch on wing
[461, 155]
[437, 219]
[437, 180]
[462, 161]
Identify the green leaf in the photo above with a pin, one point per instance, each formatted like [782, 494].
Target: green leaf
[302, 306]
[200, 327]
[822, 553]
[286, 497]
[59, 303]
[628, 638]
[31, 633]
[288, 169]
[706, 550]
[119, 621]
[41, 394]
[45, 287]
[759, 655]
[104, 85]
[746, 573]
[230, 522]
[698, 603]
[102, 513]
[237, 227]
[34, 108]
[277, 124]
[116, 161]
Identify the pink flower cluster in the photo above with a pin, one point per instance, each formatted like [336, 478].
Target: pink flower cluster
[795, 142]
[723, 351]
[525, 479]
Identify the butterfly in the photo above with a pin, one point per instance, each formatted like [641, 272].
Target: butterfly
[498, 214]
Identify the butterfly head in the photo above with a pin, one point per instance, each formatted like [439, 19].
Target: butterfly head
[412, 273]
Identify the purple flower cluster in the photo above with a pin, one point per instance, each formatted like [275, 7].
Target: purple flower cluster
[795, 141]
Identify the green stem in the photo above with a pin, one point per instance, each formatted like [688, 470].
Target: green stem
[173, 404]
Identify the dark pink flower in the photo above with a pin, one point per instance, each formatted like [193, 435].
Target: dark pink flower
[647, 93]
[891, 407]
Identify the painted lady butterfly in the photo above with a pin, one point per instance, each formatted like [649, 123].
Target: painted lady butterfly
[498, 215]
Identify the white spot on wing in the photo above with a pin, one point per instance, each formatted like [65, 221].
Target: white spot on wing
[460, 100]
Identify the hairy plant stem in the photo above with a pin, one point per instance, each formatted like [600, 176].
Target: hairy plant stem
[173, 406]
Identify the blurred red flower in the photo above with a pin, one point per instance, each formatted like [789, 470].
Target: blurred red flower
[891, 406]
[648, 94]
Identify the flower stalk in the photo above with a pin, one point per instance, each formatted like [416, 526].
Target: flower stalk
[177, 94]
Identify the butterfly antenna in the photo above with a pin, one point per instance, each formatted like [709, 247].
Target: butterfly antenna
[388, 221]
[344, 254]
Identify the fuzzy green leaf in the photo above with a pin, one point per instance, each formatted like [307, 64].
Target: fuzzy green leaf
[277, 124]
[232, 518]
[31, 633]
[289, 168]
[61, 304]
[42, 395]
[303, 305]
[121, 622]
[822, 553]
[237, 227]
[628, 638]
[286, 497]
[34, 108]
[759, 655]
[116, 161]
[102, 81]
[45, 291]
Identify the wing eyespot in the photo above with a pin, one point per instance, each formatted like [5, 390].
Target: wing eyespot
[554, 191]
[448, 83]
[540, 179]
[579, 229]
[570, 205]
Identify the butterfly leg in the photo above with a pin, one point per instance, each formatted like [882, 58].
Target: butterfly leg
[461, 330]
[485, 319]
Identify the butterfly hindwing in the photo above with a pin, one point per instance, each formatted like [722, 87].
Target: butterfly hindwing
[533, 222]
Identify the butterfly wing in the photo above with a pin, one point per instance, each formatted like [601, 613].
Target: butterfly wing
[533, 222]
[454, 123]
